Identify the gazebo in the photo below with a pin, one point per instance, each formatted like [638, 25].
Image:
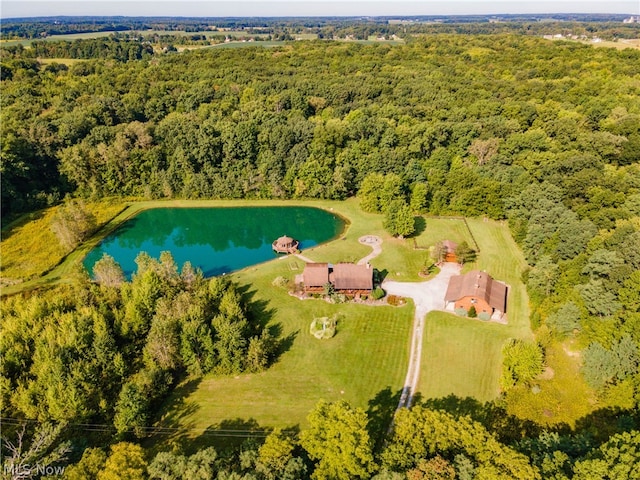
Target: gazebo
[285, 244]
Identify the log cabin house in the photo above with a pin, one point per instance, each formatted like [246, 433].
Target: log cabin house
[345, 277]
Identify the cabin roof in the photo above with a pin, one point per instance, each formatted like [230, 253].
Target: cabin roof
[347, 276]
[315, 274]
[478, 284]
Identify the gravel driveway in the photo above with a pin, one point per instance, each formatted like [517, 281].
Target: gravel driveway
[427, 296]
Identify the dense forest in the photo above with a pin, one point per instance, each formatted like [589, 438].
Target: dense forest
[543, 135]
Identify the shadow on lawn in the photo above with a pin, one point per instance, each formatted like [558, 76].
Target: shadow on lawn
[380, 411]
[260, 316]
[174, 427]
[228, 435]
[420, 225]
[508, 428]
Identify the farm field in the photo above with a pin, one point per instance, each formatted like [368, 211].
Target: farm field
[181, 33]
[620, 44]
[70, 37]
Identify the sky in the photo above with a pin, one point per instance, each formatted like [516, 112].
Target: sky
[266, 8]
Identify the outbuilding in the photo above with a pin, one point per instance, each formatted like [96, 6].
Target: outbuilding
[285, 244]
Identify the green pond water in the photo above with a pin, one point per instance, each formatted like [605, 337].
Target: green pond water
[216, 240]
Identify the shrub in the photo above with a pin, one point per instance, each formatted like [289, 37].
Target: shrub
[281, 282]
[324, 327]
[73, 223]
[377, 293]
[484, 316]
[461, 312]
[472, 312]
[522, 362]
[395, 300]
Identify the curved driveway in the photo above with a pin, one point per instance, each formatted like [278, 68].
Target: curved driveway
[427, 296]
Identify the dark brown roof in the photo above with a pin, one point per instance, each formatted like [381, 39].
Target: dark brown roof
[478, 284]
[315, 274]
[347, 276]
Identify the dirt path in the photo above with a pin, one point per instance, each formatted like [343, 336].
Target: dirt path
[302, 257]
[427, 296]
[373, 242]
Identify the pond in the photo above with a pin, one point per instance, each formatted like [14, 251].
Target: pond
[216, 240]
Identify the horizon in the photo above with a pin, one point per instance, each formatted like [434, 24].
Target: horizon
[26, 9]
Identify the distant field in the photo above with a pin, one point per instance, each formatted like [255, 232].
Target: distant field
[620, 44]
[182, 33]
[69, 37]
[240, 44]
[462, 356]
[64, 61]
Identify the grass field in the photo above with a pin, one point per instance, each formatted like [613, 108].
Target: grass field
[400, 258]
[29, 247]
[463, 356]
[65, 61]
[562, 399]
[619, 45]
[69, 37]
[241, 44]
[180, 33]
[368, 354]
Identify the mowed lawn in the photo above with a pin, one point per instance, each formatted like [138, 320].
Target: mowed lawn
[462, 356]
[403, 261]
[369, 353]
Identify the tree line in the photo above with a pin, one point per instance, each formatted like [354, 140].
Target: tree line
[109, 352]
[424, 443]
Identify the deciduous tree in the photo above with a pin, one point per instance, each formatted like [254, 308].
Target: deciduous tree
[72, 223]
[126, 461]
[337, 439]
